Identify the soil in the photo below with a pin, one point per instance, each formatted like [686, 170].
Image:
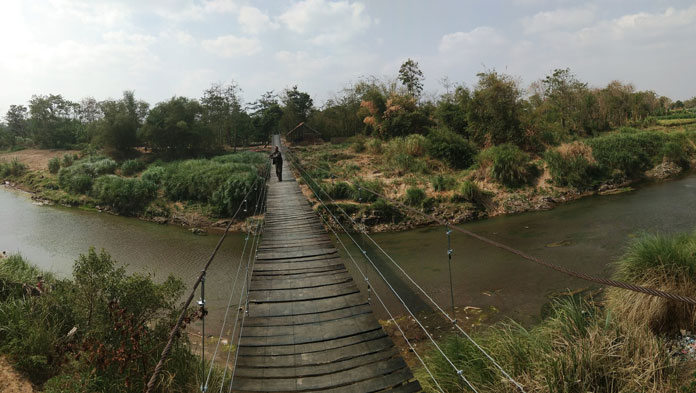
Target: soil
[36, 159]
[11, 381]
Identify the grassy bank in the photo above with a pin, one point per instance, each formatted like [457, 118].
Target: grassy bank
[444, 174]
[100, 330]
[615, 344]
[194, 192]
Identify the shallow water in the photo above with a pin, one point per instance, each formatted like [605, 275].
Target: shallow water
[587, 234]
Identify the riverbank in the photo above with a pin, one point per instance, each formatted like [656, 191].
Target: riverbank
[403, 170]
[196, 194]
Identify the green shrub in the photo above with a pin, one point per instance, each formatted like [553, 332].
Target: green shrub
[359, 145]
[451, 148]
[508, 165]
[469, 192]
[338, 190]
[131, 167]
[229, 195]
[385, 211]
[414, 196]
[54, 165]
[76, 179]
[125, 196]
[674, 151]
[154, 174]
[103, 167]
[374, 146]
[443, 182]
[243, 157]
[630, 153]
[13, 168]
[361, 187]
[68, 160]
[415, 145]
[572, 165]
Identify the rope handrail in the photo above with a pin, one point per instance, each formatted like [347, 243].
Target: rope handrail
[172, 335]
[396, 294]
[553, 266]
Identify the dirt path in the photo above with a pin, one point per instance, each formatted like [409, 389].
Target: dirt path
[35, 158]
[11, 381]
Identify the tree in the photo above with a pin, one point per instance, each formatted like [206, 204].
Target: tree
[53, 122]
[17, 122]
[563, 91]
[265, 115]
[451, 110]
[494, 110]
[222, 112]
[175, 127]
[118, 129]
[298, 105]
[411, 77]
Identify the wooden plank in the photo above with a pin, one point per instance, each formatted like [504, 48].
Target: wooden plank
[295, 295]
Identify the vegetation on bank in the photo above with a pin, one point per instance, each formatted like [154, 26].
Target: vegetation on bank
[100, 330]
[617, 344]
[158, 190]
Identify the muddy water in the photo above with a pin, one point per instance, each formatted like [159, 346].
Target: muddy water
[586, 235]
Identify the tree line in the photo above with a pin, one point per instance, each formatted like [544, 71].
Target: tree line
[497, 110]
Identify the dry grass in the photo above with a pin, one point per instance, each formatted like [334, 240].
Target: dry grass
[36, 159]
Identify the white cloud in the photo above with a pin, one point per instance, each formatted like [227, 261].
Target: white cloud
[254, 21]
[195, 11]
[90, 12]
[560, 19]
[232, 46]
[327, 23]
[478, 38]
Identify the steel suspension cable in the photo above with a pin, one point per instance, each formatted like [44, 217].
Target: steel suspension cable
[172, 335]
[246, 309]
[396, 294]
[553, 266]
[403, 334]
[449, 318]
[229, 301]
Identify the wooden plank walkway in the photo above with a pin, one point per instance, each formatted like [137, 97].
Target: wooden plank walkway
[309, 328]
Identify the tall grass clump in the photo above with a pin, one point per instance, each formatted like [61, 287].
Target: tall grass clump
[131, 167]
[578, 348]
[451, 148]
[384, 211]
[13, 168]
[443, 182]
[338, 190]
[404, 154]
[414, 196]
[154, 174]
[471, 192]
[361, 187]
[629, 154]
[508, 165]
[126, 196]
[54, 165]
[572, 165]
[664, 262]
[374, 146]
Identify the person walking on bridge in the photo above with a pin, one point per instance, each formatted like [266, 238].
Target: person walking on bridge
[278, 162]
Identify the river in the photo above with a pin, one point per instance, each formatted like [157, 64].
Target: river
[586, 235]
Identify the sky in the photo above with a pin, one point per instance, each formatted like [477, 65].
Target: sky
[163, 48]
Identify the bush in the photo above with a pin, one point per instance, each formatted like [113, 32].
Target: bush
[470, 192]
[68, 160]
[385, 211]
[664, 262]
[674, 151]
[359, 145]
[630, 153]
[414, 196]
[451, 148]
[443, 182]
[13, 168]
[360, 187]
[76, 179]
[131, 167]
[572, 165]
[154, 174]
[508, 165]
[374, 146]
[125, 196]
[415, 145]
[54, 165]
[339, 190]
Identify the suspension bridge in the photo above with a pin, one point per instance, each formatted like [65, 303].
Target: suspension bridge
[302, 324]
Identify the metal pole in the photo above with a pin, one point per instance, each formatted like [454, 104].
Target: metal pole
[201, 304]
[449, 265]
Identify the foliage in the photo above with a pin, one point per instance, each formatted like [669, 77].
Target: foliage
[298, 106]
[222, 112]
[450, 147]
[120, 324]
[385, 211]
[443, 182]
[364, 190]
[411, 77]
[470, 192]
[54, 165]
[494, 110]
[629, 153]
[68, 159]
[175, 128]
[125, 196]
[117, 129]
[80, 176]
[414, 196]
[52, 122]
[339, 190]
[663, 262]
[508, 165]
[572, 165]
[131, 167]
[452, 109]
[13, 168]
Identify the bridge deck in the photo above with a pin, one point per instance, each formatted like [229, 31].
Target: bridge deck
[309, 328]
